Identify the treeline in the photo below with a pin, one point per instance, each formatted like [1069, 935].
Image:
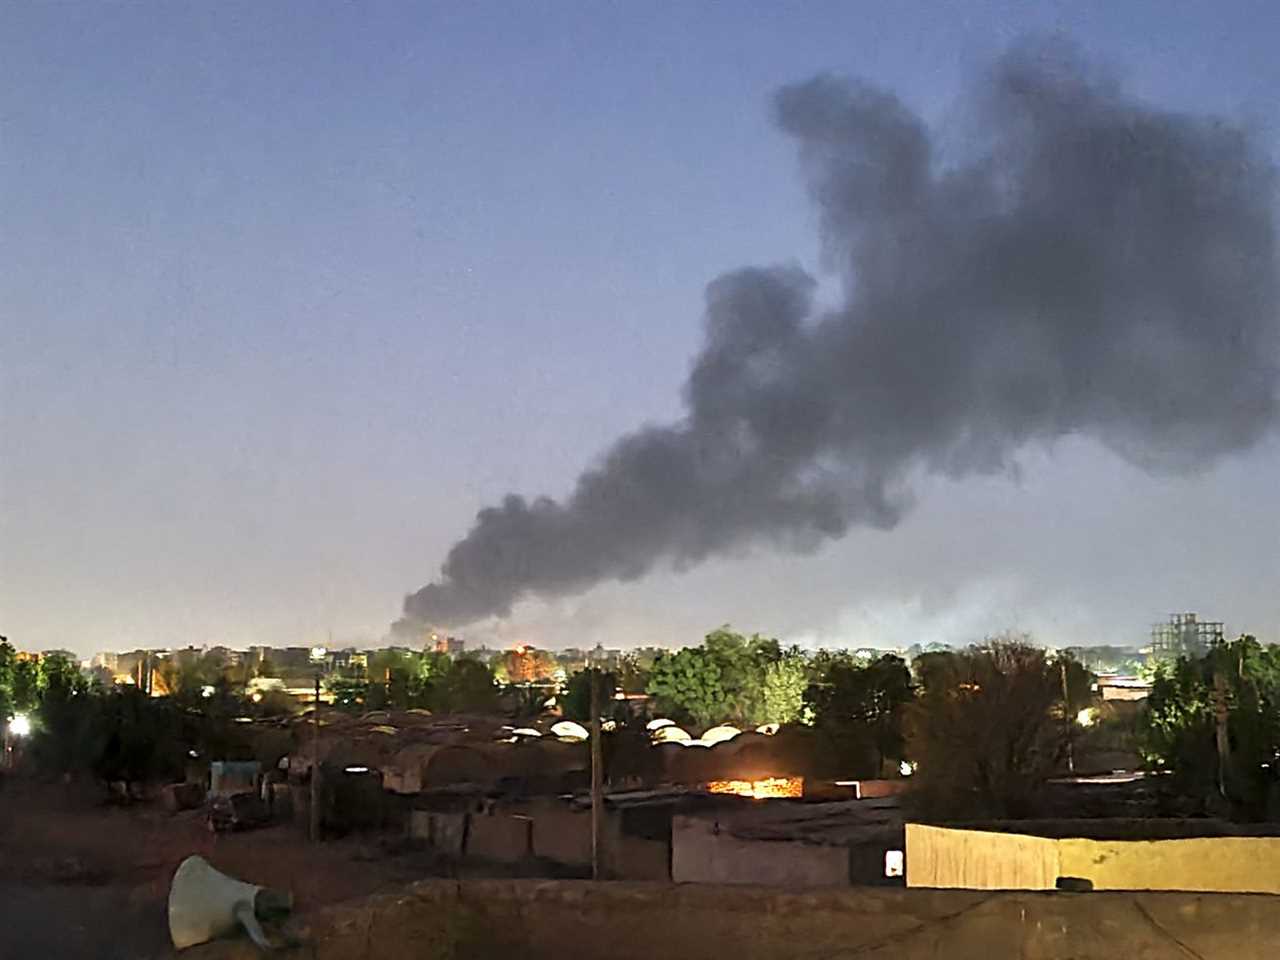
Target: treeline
[118, 732]
[1213, 722]
[24, 680]
[430, 680]
[982, 728]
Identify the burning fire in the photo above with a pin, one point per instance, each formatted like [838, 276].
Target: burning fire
[760, 789]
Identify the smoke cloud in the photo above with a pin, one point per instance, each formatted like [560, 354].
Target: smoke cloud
[1102, 267]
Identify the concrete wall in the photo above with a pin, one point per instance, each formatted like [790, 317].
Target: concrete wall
[703, 852]
[635, 858]
[981, 860]
[541, 920]
[445, 832]
[562, 834]
[498, 837]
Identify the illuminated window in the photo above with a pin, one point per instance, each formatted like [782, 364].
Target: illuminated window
[894, 864]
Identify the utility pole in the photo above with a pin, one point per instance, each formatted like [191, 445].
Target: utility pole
[1066, 717]
[597, 774]
[315, 764]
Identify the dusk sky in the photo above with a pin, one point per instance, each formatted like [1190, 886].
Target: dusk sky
[288, 292]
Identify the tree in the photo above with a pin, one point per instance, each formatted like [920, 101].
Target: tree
[742, 661]
[785, 682]
[632, 672]
[59, 675]
[686, 685]
[469, 687]
[862, 703]
[986, 730]
[1179, 731]
[348, 693]
[25, 692]
[575, 699]
[141, 737]
[723, 680]
[401, 687]
[8, 658]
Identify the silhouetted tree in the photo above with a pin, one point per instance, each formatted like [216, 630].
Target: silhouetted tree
[862, 703]
[575, 699]
[1178, 732]
[986, 730]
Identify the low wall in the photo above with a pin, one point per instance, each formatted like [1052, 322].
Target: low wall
[980, 860]
[540, 920]
[1207, 864]
[501, 838]
[703, 852]
[446, 832]
[545, 829]
[562, 834]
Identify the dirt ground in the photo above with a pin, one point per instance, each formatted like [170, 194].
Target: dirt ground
[83, 879]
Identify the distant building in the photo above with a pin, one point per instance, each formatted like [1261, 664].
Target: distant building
[349, 659]
[1184, 635]
[134, 667]
[1123, 688]
[528, 665]
[224, 656]
[450, 645]
[291, 658]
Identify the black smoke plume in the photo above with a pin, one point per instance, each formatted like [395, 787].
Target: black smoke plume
[1101, 267]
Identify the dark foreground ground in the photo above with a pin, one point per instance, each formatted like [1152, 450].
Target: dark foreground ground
[81, 879]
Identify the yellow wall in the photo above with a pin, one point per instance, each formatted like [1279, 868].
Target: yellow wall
[979, 860]
[1218, 864]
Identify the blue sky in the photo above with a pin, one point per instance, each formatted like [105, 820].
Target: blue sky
[288, 291]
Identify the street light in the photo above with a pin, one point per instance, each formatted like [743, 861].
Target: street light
[20, 725]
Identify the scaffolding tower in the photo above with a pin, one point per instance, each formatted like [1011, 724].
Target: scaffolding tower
[1184, 635]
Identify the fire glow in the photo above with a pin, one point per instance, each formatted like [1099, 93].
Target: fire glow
[760, 789]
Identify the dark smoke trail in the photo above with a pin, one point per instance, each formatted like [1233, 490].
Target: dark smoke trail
[1105, 268]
